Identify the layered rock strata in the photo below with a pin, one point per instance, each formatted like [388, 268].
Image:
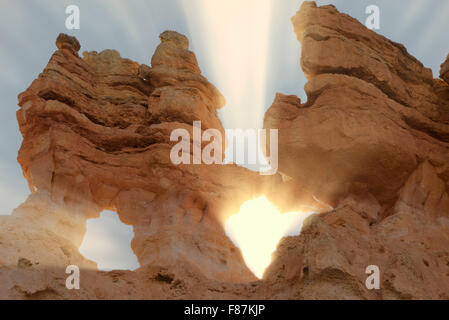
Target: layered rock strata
[372, 140]
[97, 136]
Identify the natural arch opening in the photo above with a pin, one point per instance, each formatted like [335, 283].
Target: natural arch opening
[257, 229]
[108, 243]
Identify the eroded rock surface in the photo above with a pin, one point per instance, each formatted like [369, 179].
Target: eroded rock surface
[97, 136]
[444, 72]
[372, 140]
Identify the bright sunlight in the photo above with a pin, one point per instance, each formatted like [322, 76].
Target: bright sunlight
[257, 229]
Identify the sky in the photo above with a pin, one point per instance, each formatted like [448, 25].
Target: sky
[247, 48]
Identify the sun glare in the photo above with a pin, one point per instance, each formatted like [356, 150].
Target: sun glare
[232, 39]
[257, 230]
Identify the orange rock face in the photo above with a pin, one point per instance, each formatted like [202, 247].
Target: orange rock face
[372, 140]
[444, 73]
[97, 136]
[373, 111]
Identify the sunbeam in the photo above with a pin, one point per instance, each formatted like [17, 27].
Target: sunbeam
[257, 229]
[233, 38]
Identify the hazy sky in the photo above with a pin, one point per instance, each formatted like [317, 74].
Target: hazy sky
[247, 48]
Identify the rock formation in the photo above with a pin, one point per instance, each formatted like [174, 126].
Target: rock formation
[444, 73]
[372, 140]
[97, 136]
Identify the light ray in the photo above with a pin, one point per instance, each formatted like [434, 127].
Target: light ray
[233, 38]
[258, 228]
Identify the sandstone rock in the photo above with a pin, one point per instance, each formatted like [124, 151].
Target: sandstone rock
[372, 140]
[424, 192]
[67, 42]
[97, 136]
[337, 43]
[368, 121]
[329, 259]
[444, 72]
[369, 149]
